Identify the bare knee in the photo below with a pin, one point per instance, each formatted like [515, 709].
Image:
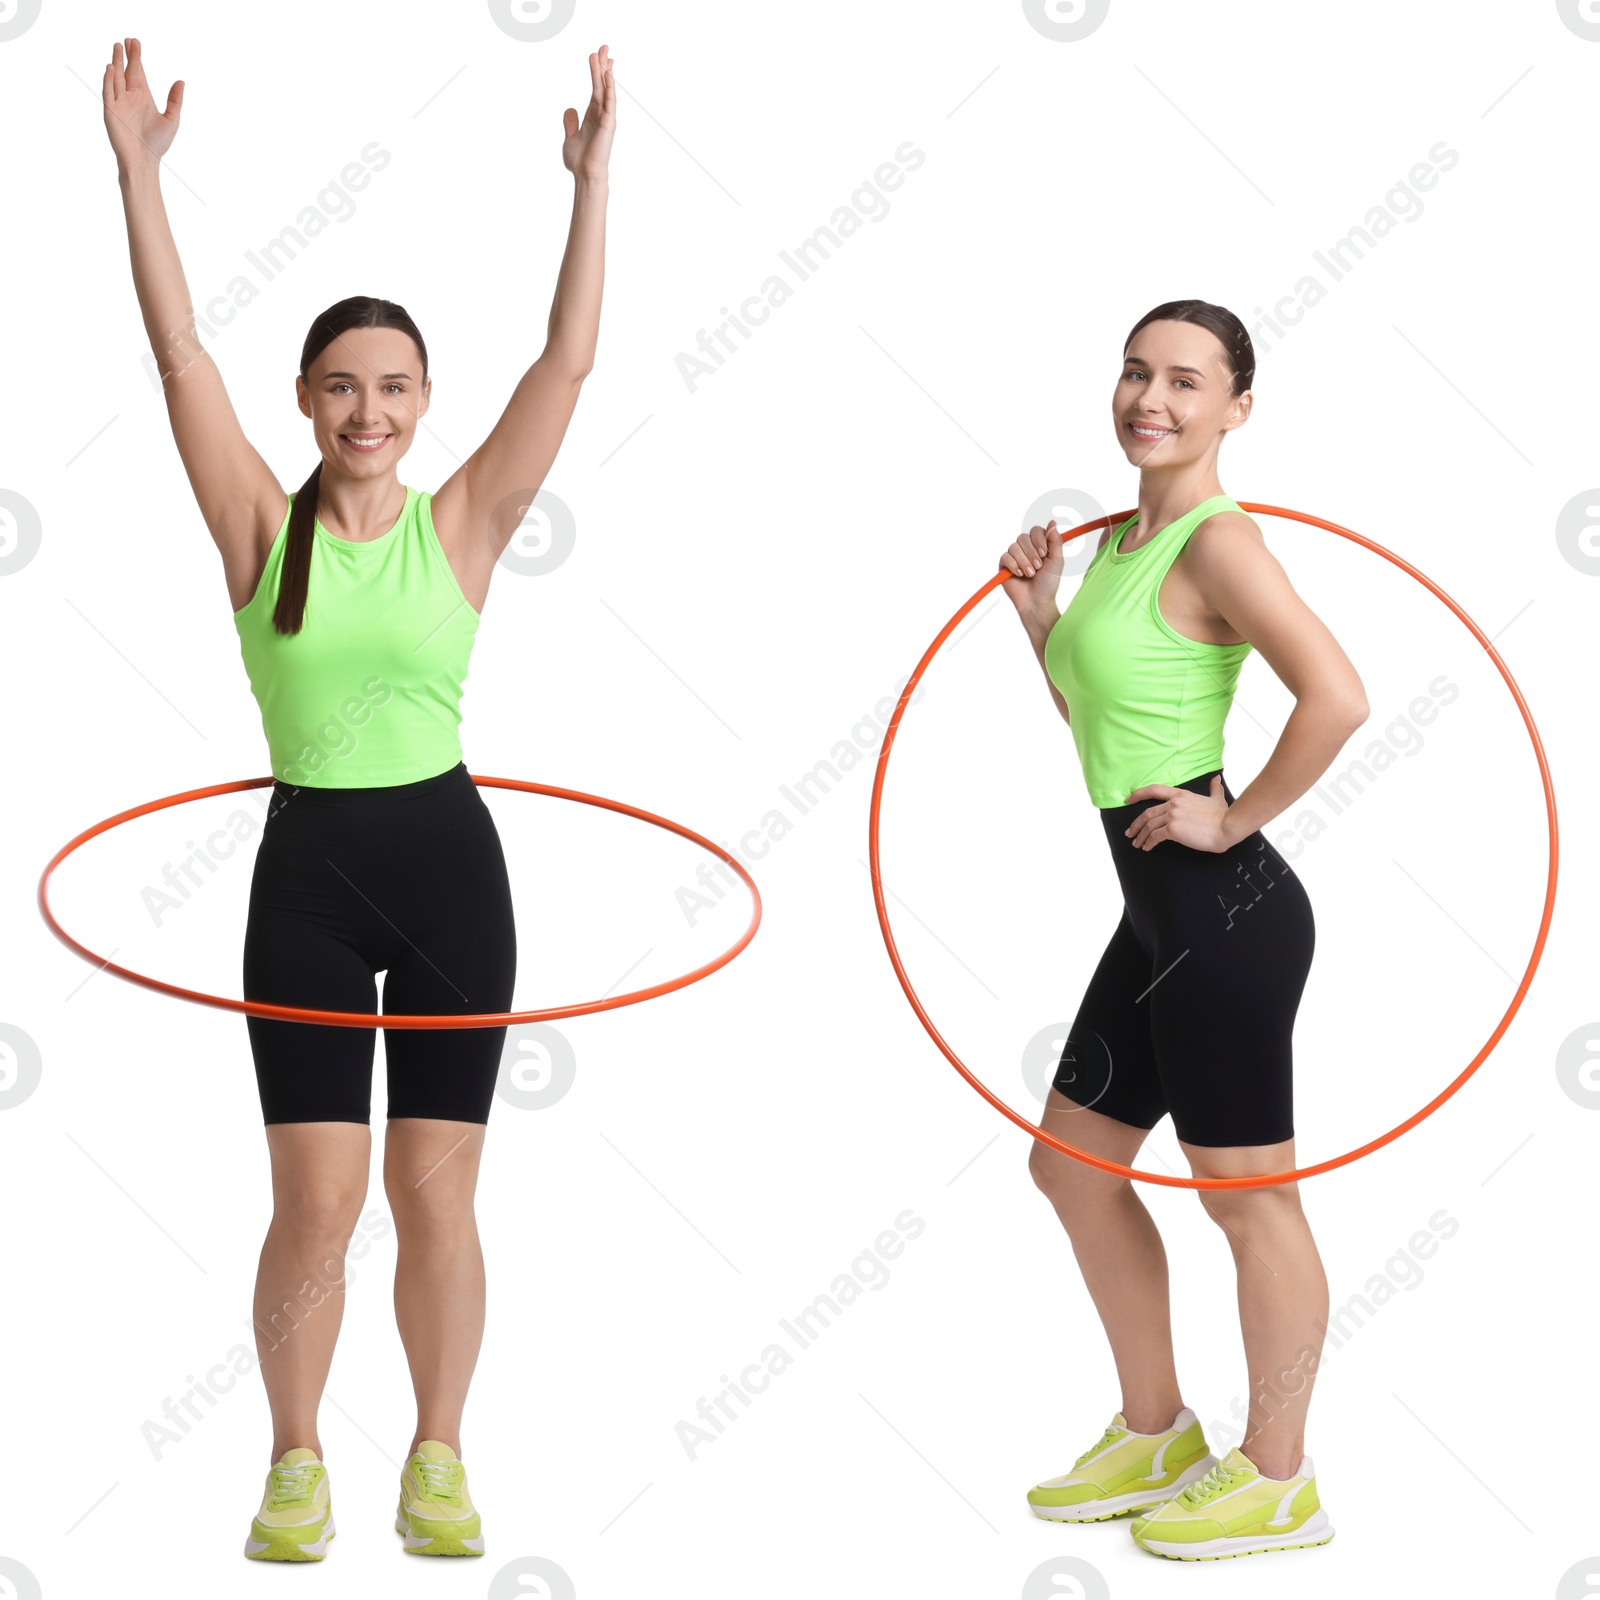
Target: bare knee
[1254, 1214]
[435, 1197]
[1073, 1187]
[321, 1211]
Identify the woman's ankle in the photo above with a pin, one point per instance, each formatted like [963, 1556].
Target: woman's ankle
[1146, 1418]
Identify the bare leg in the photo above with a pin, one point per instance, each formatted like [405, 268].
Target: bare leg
[319, 1180]
[430, 1171]
[1119, 1252]
[1283, 1296]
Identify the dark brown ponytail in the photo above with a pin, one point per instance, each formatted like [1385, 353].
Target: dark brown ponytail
[295, 573]
[359, 311]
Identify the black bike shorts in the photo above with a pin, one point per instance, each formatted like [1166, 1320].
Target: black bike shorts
[409, 880]
[1191, 1009]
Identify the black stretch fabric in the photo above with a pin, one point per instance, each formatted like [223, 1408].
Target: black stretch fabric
[409, 880]
[1191, 1009]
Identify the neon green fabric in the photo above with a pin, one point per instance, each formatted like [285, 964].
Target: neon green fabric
[368, 693]
[1146, 704]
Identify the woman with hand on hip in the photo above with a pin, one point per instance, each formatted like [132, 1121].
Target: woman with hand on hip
[1191, 1009]
[357, 600]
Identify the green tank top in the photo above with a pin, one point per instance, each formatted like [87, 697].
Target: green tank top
[367, 694]
[1147, 704]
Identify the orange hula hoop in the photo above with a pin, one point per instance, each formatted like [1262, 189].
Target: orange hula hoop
[1265, 1180]
[360, 1019]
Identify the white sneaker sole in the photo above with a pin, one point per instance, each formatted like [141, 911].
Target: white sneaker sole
[1116, 1505]
[1316, 1530]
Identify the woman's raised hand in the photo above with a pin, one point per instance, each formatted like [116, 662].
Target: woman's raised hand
[1036, 562]
[586, 150]
[138, 132]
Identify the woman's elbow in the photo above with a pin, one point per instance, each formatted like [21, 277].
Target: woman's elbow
[1353, 706]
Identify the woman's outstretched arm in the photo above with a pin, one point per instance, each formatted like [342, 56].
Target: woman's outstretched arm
[482, 504]
[237, 493]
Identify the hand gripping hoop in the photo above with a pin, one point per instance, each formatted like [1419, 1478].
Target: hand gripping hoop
[360, 1019]
[1265, 1180]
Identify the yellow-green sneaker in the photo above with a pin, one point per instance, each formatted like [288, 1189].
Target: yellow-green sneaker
[1125, 1471]
[1234, 1511]
[295, 1521]
[436, 1513]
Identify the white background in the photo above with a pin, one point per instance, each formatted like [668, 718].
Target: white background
[760, 559]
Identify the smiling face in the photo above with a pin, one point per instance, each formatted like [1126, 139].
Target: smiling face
[364, 395]
[1173, 401]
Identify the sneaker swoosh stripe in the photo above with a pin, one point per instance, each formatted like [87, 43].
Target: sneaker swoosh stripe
[1282, 1514]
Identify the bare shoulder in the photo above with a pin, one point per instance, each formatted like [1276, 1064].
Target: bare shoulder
[1227, 527]
[1227, 542]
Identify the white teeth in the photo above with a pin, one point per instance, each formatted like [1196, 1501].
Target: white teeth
[1150, 433]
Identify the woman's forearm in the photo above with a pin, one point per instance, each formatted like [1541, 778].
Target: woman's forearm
[1316, 731]
[1038, 627]
[157, 272]
[575, 308]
